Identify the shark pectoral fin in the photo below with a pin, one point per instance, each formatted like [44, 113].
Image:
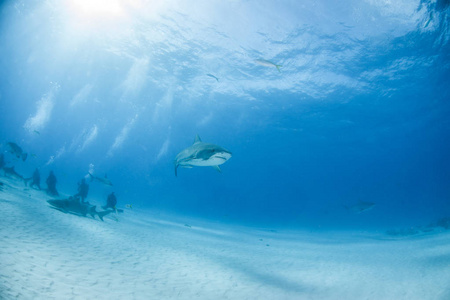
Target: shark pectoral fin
[217, 168]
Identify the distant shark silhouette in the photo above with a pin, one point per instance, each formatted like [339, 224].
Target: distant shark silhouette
[103, 180]
[202, 155]
[73, 206]
[360, 207]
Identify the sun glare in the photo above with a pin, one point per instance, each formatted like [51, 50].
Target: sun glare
[98, 8]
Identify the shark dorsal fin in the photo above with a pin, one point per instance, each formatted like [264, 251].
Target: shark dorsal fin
[197, 139]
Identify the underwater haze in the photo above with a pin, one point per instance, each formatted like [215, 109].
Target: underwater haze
[358, 111]
[336, 115]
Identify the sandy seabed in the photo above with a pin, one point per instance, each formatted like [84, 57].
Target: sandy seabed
[47, 254]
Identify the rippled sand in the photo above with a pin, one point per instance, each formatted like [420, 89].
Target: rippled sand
[46, 254]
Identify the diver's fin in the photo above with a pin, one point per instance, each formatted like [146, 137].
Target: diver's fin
[197, 139]
[217, 168]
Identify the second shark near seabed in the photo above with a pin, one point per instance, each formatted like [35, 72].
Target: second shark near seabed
[74, 206]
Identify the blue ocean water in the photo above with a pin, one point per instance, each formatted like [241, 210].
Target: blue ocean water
[358, 110]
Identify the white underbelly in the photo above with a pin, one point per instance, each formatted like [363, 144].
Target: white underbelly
[205, 163]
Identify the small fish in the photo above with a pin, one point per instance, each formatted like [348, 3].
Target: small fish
[212, 76]
[17, 151]
[187, 225]
[130, 206]
[267, 63]
[37, 132]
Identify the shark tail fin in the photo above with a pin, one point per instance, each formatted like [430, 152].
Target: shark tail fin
[101, 214]
[278, 67]
[24, 156]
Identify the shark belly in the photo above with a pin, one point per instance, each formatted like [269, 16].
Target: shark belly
[203, 163]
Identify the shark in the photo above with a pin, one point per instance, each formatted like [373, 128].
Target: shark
[202, 155]
[17, 151]
[360, 207]
[73, 205]
[10, 172]
[103, 180]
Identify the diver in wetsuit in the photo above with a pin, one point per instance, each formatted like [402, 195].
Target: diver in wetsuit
[51, 184]
[36, 179]
[83, 189]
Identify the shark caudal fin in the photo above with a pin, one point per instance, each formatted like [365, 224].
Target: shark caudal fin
[101, 214]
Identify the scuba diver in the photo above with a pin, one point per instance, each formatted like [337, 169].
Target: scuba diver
[51, 184]
[83, 189]
[36, 179]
